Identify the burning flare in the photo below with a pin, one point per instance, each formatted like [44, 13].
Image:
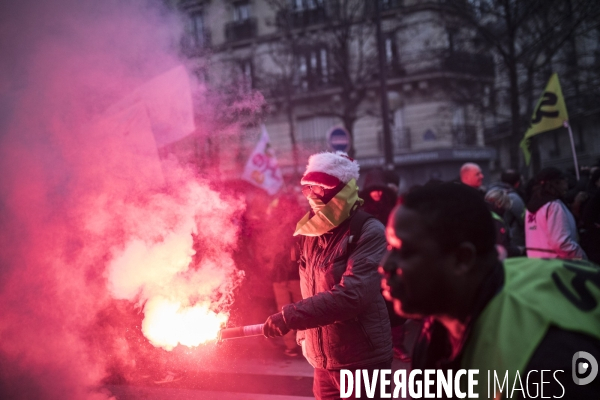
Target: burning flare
[167, 323]
[186, 293]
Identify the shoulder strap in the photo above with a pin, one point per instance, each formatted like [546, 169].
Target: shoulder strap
[356, 224]
[497, 217]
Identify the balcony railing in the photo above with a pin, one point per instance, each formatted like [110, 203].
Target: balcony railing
[384, 5]
[240, 30]
[305, 84]
[408, 65]
[296, 19]
[194, 44]
[314, 83]
[446, 61]
[470, 63]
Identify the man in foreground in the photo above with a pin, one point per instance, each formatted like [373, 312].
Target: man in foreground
[342, 322]
[516, 318]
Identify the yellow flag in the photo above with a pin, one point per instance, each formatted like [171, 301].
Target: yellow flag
[550, 113]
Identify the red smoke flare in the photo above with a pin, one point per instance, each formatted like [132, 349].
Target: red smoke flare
[90, 215]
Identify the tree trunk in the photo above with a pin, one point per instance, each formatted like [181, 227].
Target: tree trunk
[534, 147]
[515, 118]
[515, 107]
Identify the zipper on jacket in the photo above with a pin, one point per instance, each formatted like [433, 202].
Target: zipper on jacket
[364, 331]
[320, 337]
[319, 329]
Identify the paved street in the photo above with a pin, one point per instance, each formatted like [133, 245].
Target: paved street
[248, 368]
[241, 369]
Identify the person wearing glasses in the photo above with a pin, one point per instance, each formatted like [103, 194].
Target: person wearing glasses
[342, 321]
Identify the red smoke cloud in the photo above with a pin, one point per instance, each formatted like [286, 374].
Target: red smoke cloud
[90, 216]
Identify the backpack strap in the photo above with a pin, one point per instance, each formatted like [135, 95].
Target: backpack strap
[356, 223]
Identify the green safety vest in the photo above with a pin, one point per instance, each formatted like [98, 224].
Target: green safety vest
[537, 293]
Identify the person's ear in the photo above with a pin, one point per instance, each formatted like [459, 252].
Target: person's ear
[466, 256]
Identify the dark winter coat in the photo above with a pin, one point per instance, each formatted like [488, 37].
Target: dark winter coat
[515, 215]
[343, 319]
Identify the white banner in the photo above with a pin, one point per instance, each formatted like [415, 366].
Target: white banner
[262, 169]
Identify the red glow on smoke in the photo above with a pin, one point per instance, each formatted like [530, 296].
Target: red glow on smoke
[92, 219]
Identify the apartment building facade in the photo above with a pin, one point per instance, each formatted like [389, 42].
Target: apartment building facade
[316, 64]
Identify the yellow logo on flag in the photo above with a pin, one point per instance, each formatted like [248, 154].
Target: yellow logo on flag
[550, 113]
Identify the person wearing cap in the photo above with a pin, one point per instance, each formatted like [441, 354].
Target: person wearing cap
[379, 198]
[550, 229]
[342, 321]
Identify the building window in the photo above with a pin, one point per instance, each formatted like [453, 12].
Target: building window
[198, 30]
[246, 74]
[313, 4]
[389, 51]
[463, 133]
[241, 11]
[400, 132]
[302, 13]
[391, 54]
[458, 120]
[300, 5]
[324, 68]
[297, 5]
[302, 73]
[459, 132]
[312, 132]
[312, 68]
[243, 26]
[313, 61]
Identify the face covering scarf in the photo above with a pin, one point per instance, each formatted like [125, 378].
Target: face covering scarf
[316, 204]
[330, 215]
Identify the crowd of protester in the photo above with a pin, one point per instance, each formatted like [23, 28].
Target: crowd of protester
[331, 305]
[515, 317]
[550, 217]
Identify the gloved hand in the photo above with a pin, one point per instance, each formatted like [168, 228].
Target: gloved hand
[275, 326]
